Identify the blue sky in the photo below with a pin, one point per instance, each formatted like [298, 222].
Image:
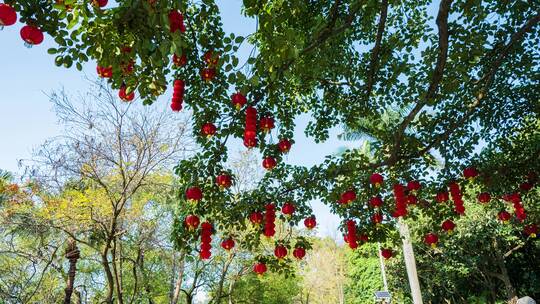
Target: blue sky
[27, 119]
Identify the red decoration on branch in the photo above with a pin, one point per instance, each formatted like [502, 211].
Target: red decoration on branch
[280, 252]
[347, 197]
[209, 129]
[448, 226]
[284, 145]
[224, 181]
[250, 131]
[484, 197]
[228, 244]
[238, 100]
[387, 253]
[350, 237]
[208, 74]
[504, 216]
[100, 3]
[211, 58]
[375, 202]
[414, 185]
[401, 201]
[376, 179]
[531, 230]
[288, 209]
[267, 124]
[192, 222]
[310, 222]
[8, 15]
[377, 218]
[176, 22]
[470, 172]
[104, 72]
[259, 268]
[194, 194]
[178, 95]
[206, 239]
[455, 191]
[431, 239]
[179, 60]
[269, 218]
[442, 197]
[299, 253]
[124, 96]
[269, 163]
[256, 217]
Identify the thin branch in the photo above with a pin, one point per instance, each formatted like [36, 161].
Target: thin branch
[373, 66]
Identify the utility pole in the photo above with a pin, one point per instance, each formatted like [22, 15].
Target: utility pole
[383, 270]
[410, 263]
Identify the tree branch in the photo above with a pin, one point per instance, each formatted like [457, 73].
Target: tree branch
[373, 66]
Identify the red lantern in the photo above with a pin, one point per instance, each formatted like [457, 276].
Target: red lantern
[224, 181]
[455, 192]
[176, 22]
[414, 185]
[179, 60]
[178, 95]
[299, 253]
[31, 35]
[270, 217]
[412, 199]
[100, 3]
[526, 186]
[192, 222]
[208, 74]
[288, 209]
[208, 129]
[448, 226]
[350, 238]
[504, 216]
[377, 218]
[470, 172]
[250, 131]
[238, 100]
[401, 201]
[259, 268]
[442, 197]
[431, 239]
[269, 163]
[256, 217]
[206, 239]
[280, 252]
[363, 238]
[347, 197]
[211, 59]
[8, 15]
[104, 72]
[375, 202]
[376, 179]
[267, 124]
[531, 230]
[484, 197]
[124, 96]
[310, 222]
[194, 194]
[284, 146]
[227, 244]
[387, 253]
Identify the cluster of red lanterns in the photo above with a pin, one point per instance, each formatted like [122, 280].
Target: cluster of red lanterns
[401, 201]
[269, 220]
[31, 34]
[250, 130]
[178, 95]
[457, 198]
[206, 239]
[209, 72]
[351, 238]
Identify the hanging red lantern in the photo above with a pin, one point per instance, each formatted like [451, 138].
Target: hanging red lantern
[377, 218]
[269, 163]
[31, 35]
[178, 95]
[376, 179]
[431, 239]
[211, 58]
[280, 252]
[259, 268]
[455, 192]
[401, 201]
[531, 230]
[208, 129]
[100, 3]
[206, 240]
[123, 94]
[179, 60]
[363, 238]
[310, 222]
[412, 199]
[375, 202]
[284, 145]
[484, 197]
[238, 100]
[224, 181]
[8, 15]
[250, 131]
[208, 74]
[299, 253]
[470, 172]
[504, 216]
[104, 72]
[267, 124]
[256, 217]
[176, 22]
[387, 253]
[194, 194]
[228, 244]
[192, 222]
[347, 197]
[442, 197]
[288, 209]
[269, 223]
[448, 226]
[414, 185]
[351, 234]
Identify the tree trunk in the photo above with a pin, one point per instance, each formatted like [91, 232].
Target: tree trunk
[72, 254]
[116, 271]
[108, 276]
[178, 286]
[222, 278]
[511, 293]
